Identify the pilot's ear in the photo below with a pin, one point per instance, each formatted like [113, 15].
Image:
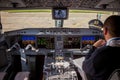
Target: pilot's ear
[105, 31]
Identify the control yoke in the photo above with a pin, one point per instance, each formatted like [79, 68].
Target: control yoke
[16, 46]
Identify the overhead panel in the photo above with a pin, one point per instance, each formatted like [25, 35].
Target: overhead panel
[72, 4]
[49, 3]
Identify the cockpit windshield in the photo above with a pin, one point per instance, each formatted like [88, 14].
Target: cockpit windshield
[42, 18]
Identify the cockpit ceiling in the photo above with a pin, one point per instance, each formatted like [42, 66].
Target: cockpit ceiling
[72, 4]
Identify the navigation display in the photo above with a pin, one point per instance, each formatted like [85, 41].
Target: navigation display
[28, 40]
[45, 42]
[88, 40]
[71, 42]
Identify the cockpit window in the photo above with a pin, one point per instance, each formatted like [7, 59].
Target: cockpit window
[20, 19]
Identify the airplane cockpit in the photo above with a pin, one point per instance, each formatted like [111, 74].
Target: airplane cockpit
[47, 53]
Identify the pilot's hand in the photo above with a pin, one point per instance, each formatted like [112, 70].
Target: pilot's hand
[99, 43]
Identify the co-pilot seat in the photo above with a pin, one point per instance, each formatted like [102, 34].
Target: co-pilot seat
[22, 76]
[35, 62]
[3, 76]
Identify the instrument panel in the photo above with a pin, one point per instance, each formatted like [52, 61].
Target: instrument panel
[57, 39]
[57, 46]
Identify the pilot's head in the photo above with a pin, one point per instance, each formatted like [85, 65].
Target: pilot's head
[111, 27]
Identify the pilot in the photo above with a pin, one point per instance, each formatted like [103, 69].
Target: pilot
[104, 55]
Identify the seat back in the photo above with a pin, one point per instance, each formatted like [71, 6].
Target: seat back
[22, 76]
[115, 75]
[3, 75]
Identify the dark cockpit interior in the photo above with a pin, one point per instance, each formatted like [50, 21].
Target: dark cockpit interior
[45, 53]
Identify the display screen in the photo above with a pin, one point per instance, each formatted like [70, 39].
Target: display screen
[88, 40]
[45, 42]
[28, 40]
[59, 13]
[71, 42]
